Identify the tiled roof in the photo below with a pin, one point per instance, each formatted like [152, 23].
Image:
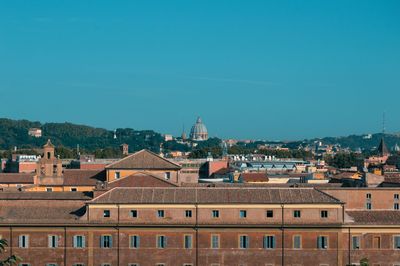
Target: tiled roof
[214, 196]
[34, 195]
[145, 160]
[83, 177]
[10, 178]
[41, 211]
[372, 217]
[141, 180]
[254, 177]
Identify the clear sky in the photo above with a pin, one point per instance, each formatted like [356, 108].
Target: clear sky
[250, 69]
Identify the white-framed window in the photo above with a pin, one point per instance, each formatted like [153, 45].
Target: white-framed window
[188, 239]
[167, 175]
[134, 213]
[322, 242]
[23, 241]
[106, 241]
[215, 241]
[117, 175]
[297, 214]
[49, 189]
[355, 242]
[244, 241]
[51, 264]
[78, 241]
[396, 242]
[242, 213]
[53, 241]
[369, 205]
[297, 242]
[161, 241]
[74, 189]
[215, 213]
[269, 242]
[396, 206]
[106, 213]
[160, 213]
[134, 241]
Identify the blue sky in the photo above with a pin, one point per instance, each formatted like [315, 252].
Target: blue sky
[250, 69]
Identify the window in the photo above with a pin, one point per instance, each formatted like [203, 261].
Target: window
[117, 175]
[160, 213]
[23, 241]
[322, 242]
[49, 189]
[73, 189]
[167, 175]
[105, 264]
[53, 241]
[214, 241]
[396, 196]
[297, 242]
[133, 264]
[355, 242]
[297, 214]
[368, 196]
[243, 214]
[324, 214]
[396, 206]
[160, 264]
[79, 241]
[51, 264]
[215, 213]
[24, 264]
[243, 241]
[106, 241]
[376, 242]
[187, 264]
[396, 242]
[369, 206]
[161, 241]
[134, 213]
[269, 242]
[188, 213]
[134, 241]
[270, 213]
[78, 264]
[188, 241]
[106, 213]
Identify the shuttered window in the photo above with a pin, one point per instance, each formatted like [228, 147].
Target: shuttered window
[355, 242]
[134, 241]
[396, 242]
[53, 241]
[243, 241]
[269, 242]
[106, 241]
[322, 242]
[23, 241]
[79, 241]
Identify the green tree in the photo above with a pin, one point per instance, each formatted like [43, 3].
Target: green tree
[364, 262]
[12, 260]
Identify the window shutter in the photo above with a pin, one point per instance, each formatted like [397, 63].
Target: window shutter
[102, 241]
[241, 241]
[50, 241]
[83, 241]
[75, 240]
[273, 242]
[397, 242]
[138, 241]
[20, 241]
[265, 242]
[165, 241]
[111, 242]
[27, 241]
[319, 242]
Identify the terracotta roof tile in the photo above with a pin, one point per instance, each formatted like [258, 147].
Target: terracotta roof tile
[20, 178]
[83, 177]
[214, 195]
[144, 159]
[371, 217]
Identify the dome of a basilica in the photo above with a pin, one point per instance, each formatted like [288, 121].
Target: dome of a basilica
[199, 131]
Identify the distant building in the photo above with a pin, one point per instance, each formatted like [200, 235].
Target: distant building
[168, 137]
[35, 132]
[199, 131]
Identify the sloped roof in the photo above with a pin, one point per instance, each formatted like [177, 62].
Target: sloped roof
[254, 177]
[141, 180]
[77, 177]
[11, 178]
[371, 217]
[214, 196]
[39, 195]
[144, 160]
